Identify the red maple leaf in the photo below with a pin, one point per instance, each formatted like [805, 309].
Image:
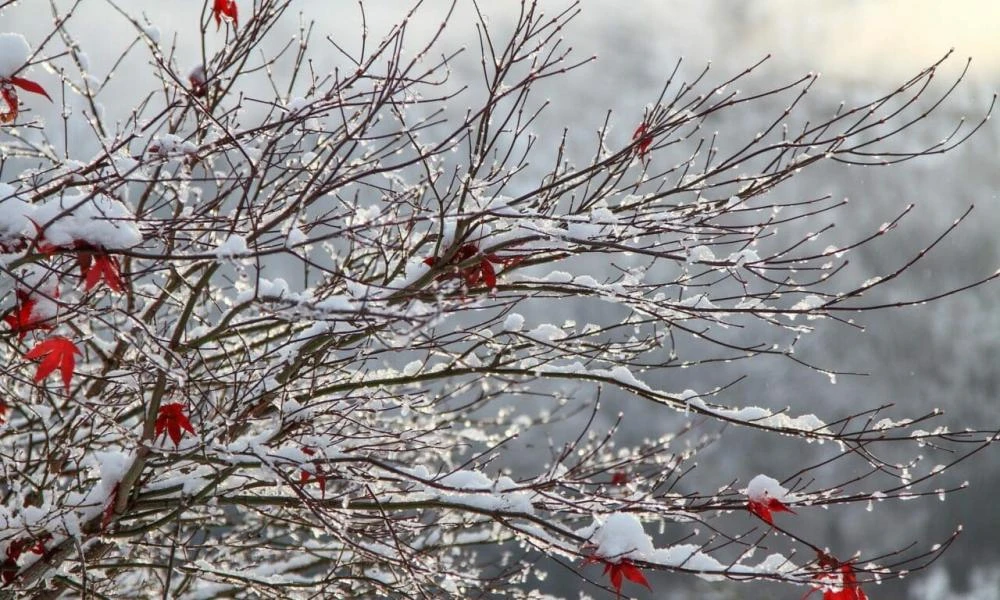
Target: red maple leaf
[763, 509]
[644, 139]
[4, 407]
[319, 475]
[225, 9]
[618, 572]
[22, 318]
[55, 352]
[171, 419]
[97, 265]
[8, 92]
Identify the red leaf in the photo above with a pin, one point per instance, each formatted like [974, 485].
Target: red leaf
[8, 570]
[55, 352]
[619, 478]
[482, 271]
[644, 138]
[760, 509]
[764, 509]
[9, 95]
[199, 82]
[4, 407]
[109, 510]
[29, 86]
[225, 9]
[619, 571]
[632, 573]
[171, 419]
[776, 505]
[21, 318]
[39, 547]
[320, 477]
[41, 245]
[100, 266]
[845, 583]
[489, 274]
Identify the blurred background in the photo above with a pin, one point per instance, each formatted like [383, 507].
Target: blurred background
[944, 355]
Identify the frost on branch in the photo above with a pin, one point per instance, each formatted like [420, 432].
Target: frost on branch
[293, 322]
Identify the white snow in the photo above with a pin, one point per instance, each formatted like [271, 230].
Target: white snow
[547, 332]
[476, 490]
[742, 257]
[762, 488]
[296, 104]
[621, 536]
[231, 246]
[14, 52]
[700, 254]
[513, 322]
[98, 220]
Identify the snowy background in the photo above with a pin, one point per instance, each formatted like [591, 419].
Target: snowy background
[944, 355]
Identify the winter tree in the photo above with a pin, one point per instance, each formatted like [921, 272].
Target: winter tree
[277, 322]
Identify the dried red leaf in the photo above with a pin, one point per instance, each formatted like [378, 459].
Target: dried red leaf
[56, 352]
[764, 509]
[644, 139]
[225, 9]
[171, 419]
[9, 95]
[8, 92]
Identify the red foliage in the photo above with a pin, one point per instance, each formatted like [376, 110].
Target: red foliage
[644, 139]
[56, 352]
[845, 583]
[618, 572]
[17, 547]
[109, 510]
[225, 9]
[21, 318]
[319, 475]
[482, 271]
[4, 407]
[8, 93]
[764, 509]
[171, 419]
[96, 265]
[199, 82]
